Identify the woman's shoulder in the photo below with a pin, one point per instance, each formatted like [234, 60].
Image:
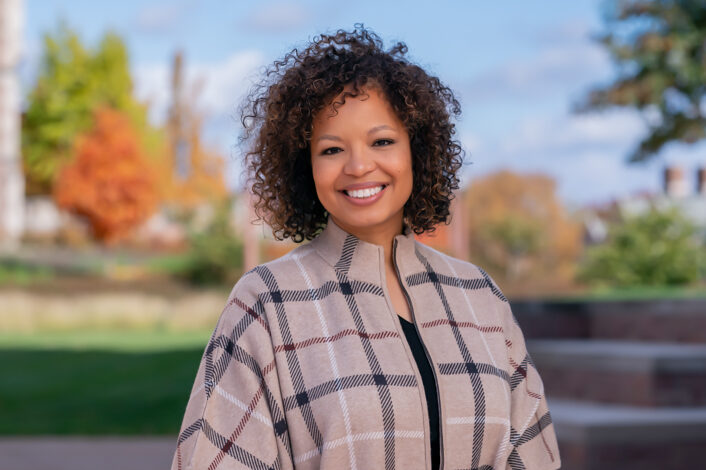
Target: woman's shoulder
[303, 254]
[264, 284]
[464, 271]
[439, 259]
[268, 276]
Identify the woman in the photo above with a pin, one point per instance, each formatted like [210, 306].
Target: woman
[362, 348]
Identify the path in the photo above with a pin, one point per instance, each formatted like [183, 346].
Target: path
[86, 453]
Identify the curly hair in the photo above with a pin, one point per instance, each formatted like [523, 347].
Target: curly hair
[277, 119]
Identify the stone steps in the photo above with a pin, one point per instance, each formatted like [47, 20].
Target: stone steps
[625, 380]
[626, 372]
[671, 320]
[611, 437]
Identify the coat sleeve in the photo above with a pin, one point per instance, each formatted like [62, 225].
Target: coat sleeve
[234, 418]
[533, 441]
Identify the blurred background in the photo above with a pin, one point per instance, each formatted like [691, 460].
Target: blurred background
[125, 220]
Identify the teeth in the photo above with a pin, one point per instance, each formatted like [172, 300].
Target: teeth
[363, 193]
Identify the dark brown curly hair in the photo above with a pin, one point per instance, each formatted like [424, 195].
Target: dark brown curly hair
[277, 119]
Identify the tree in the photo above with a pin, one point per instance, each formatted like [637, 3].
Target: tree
[192, 174]
[656, 248]
[518, 226]
[659, 47]
[110, 181]
[73, 82]
[510, 240]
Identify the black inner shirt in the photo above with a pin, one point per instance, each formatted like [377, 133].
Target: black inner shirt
[429, 386]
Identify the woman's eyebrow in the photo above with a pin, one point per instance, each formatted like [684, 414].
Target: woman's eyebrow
[379, 128]
[338, 139]
[329, 137]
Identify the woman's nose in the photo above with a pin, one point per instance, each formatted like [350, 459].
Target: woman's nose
[359, 162]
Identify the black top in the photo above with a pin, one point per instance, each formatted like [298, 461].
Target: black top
[429, 386]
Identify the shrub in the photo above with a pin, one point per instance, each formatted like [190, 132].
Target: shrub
[216, 253]
[656, 248]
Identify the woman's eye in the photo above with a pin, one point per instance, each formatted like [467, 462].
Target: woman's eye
[331, 151]
[383, 142]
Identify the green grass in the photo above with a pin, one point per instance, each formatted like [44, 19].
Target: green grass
[22, 274]
[106, 340]
[635, 293]
[97, 383]
[172, 264]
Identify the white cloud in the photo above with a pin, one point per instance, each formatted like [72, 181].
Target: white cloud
[226, 83]
[535, 132]
[29, 66]
[559, 68]
[218, 86]
[591, 176]
[571, 30]
[583, 177]
[277, 17]
[151, 84]
[561, 134]
[585, 154]
[160, 17]
[470, 141]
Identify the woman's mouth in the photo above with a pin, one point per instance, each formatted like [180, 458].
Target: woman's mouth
[365, 195]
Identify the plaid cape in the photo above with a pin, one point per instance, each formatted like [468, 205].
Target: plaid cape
[308, 368]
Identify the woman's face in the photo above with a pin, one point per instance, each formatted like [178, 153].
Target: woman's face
[362, 164]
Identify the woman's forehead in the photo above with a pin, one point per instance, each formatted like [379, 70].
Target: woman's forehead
[369, 102]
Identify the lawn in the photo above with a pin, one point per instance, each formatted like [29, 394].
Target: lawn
[97, 382]
[19, 274]
[636, 293]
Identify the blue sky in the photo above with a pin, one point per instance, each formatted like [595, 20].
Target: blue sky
[517, 67]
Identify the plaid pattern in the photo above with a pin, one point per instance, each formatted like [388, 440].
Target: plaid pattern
[309, 368]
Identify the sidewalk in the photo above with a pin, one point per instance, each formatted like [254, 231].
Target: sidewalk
[86, 453]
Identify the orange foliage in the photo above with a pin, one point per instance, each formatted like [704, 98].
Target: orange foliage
[518, 225]
[109, 180]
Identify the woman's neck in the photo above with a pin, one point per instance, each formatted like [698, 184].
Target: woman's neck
[382, 235]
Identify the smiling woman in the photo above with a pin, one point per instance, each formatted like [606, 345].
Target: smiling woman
[308, 87]
[363, 348]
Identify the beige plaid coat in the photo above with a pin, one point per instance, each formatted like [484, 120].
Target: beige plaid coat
[308, 368]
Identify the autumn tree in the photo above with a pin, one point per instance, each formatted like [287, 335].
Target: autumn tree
[518, 227]
[110, 181]
[73, 82]
[659, 48]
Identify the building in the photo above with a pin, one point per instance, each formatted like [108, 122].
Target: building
[677, 193]
[12, 186]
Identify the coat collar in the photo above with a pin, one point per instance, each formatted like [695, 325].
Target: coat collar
[357, 257]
